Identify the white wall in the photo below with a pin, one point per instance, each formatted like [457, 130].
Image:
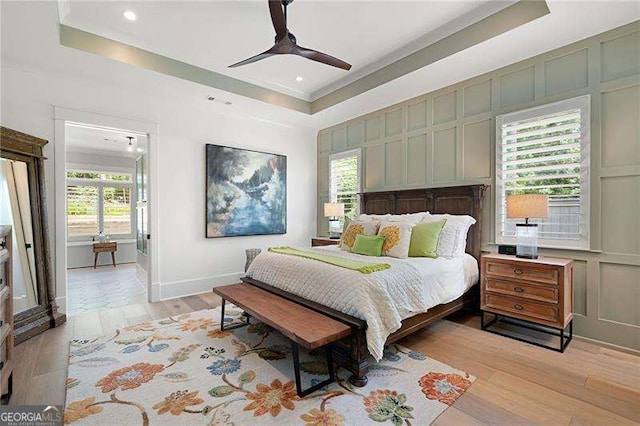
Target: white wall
[101, 161]
[188, 262]
[80, 254]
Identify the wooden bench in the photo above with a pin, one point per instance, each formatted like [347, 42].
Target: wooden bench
[303, 326]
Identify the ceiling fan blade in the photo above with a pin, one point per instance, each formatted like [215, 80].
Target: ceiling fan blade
[256, 58]
[277, 18]
[314, 55]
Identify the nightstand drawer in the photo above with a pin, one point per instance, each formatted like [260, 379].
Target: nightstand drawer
[522, 290]
[522, 272]
[522, 308]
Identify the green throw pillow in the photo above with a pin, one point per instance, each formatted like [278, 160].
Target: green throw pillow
[369, 245]
[424, 239]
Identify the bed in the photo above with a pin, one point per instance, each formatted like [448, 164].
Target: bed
[395, 313]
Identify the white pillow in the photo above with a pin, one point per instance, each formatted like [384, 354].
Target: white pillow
[357, 227]
[409, 217]
[453, 238]
[413, 218]
[364, 217]
[397, 238]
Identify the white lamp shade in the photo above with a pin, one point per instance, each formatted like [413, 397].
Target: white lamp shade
[527, 206]
[333, 209]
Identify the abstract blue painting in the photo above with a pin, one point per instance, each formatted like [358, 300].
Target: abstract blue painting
[246, 192]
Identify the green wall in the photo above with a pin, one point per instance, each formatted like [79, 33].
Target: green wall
[447, 137]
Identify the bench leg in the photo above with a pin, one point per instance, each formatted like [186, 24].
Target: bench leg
[296, 369]
[222, 315]
[222, 328]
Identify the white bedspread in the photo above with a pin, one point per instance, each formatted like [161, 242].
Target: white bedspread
[383, 299]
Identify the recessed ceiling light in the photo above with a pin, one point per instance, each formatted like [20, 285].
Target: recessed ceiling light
[129, 15]
[298, 78]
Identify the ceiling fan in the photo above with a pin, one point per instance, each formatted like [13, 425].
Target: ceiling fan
[285, 41]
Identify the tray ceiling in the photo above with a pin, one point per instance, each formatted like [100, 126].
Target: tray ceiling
[213, 35]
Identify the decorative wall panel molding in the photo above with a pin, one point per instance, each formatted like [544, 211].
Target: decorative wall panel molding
[448, 138]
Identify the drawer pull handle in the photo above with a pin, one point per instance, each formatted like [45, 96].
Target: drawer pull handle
[518, 289]
[517, 271]
[518, 307]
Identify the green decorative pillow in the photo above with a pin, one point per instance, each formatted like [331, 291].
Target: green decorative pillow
[424, 239]
[369, 245]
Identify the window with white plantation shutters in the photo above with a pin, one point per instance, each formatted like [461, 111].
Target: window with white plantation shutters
[344, 181]
[99, 201]
[82, 210]
[545, 150]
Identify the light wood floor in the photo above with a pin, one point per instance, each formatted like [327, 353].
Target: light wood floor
[516, 383]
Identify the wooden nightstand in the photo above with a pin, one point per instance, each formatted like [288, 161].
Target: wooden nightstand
[324, 241]
[536, 292]
[110, 247]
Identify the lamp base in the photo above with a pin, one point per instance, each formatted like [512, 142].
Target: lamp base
[334, 228]
[527, 240]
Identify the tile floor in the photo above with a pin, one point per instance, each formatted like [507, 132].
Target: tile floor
[102, 288]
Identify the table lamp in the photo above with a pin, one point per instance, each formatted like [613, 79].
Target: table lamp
[527, 206]
[333, 211]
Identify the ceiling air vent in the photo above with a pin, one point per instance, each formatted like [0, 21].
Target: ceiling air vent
[218, 100]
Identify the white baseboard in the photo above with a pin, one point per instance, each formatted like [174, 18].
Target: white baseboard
[61, 301]
[197, 286]
[154, 293]
[141, 274]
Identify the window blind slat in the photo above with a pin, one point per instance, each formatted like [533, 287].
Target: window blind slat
[507, 137]
[543, 159]
[527, 124]
[541, 150]
[548, 139]
[558, 167]
[542, 177]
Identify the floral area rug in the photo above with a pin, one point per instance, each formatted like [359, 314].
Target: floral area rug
[184, 370]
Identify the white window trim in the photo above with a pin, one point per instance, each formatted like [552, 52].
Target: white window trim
[584, 104]
[78, 167]
[101, 184]
[344, 154]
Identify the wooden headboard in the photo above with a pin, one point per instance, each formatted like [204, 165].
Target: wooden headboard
[454, 200]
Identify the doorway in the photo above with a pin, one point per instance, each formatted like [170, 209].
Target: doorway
[105, 189]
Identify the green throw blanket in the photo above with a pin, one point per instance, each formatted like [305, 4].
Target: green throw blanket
[356, 265]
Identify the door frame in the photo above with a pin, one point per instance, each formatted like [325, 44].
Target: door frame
[61, 117]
